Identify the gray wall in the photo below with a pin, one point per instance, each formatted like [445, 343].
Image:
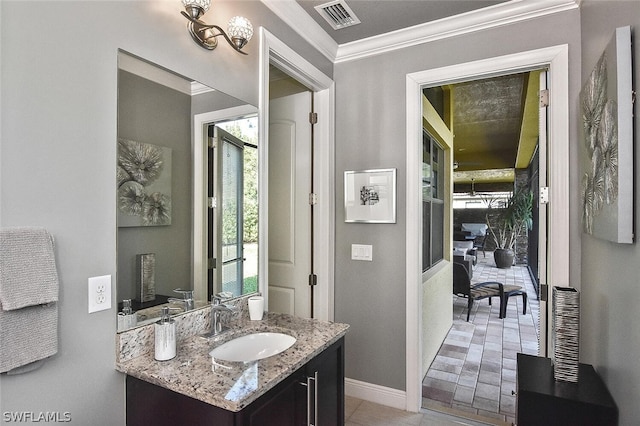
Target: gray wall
[370, 133]
[212, 101]
[610, 301]
[151, 113]
[58, 150]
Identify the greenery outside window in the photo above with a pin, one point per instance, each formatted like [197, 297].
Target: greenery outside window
[246, 129]
[433, 175]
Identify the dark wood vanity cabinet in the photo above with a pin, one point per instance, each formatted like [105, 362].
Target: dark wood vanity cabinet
[316, 389]
[313, 395]
[541, 400]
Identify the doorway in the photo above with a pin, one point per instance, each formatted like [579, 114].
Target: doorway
[290, 183]
[202, 205]
[497, 123]
[232, 220]
[275, 52]
[556, 59]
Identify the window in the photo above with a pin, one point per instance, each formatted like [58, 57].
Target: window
[433, 175]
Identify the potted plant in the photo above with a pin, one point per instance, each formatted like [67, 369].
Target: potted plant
[506, 225]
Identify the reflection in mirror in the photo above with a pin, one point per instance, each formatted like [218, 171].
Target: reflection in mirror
[233, 184]
[156, 175]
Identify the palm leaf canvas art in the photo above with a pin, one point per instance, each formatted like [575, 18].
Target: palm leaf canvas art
[144, 184]
[607, 167]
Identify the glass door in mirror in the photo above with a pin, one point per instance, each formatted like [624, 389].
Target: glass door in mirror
[232, 237]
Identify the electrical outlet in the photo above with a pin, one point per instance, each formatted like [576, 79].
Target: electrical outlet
[99, 293]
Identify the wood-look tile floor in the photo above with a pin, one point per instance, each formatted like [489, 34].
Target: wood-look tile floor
[475, 369]
[365, 413]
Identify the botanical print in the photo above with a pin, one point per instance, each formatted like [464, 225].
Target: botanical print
[144, 184]
[369, 196]
[607, 183]
[599, 184]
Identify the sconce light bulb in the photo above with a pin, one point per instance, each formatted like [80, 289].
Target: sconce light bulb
[196, 8]
[240, 30]
[202, 4]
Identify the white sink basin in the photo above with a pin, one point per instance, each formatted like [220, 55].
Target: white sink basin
[253, 347]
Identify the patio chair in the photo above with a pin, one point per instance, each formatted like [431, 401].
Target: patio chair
[462, 287]
[478, 244]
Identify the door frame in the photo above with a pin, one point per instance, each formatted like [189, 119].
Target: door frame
[199, 155]
[272, 50]
[556, 58]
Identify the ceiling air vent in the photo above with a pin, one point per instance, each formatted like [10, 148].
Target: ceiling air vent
[338, 14]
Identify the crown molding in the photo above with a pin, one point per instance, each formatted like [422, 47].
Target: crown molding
[198, 88]
[161, 76]
[153, 73]
[294, 16]
[491, 17]
[478, 20]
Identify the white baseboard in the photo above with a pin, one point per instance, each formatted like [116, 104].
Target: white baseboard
[375, 393]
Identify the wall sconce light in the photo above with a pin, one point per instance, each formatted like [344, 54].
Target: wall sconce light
[239, 29]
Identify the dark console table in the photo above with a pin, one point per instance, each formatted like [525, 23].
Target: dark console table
[544, 401]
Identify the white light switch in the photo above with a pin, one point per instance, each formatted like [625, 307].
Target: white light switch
[99, 293]
[361, 252]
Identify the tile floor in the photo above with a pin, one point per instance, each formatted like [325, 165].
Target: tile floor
[474, 371]
[365, 413]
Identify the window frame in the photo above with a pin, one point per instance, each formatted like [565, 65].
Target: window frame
[430, 198]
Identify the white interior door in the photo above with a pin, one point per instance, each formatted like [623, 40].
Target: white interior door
[289, 208]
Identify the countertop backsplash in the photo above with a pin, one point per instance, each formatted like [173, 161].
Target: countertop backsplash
[139, 341]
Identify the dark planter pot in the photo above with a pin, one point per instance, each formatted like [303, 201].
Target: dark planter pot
[503, 258]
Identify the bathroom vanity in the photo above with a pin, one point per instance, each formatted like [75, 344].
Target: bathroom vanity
[299, 386]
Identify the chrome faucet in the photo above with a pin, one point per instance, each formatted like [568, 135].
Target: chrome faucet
[187, 299]
[217, 309]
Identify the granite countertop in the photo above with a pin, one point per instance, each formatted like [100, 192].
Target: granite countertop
[234, 385]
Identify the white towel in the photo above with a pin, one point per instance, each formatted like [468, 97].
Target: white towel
[28, 298]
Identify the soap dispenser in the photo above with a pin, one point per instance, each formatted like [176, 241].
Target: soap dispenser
[127, 318]
[165, 336]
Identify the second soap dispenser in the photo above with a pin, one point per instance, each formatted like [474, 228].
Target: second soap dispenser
[127, 318]
[165, 337]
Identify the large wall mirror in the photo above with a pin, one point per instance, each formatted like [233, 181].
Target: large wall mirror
[187, 179]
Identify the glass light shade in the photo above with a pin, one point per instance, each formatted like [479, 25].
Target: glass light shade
[202, 4]
[240, 30]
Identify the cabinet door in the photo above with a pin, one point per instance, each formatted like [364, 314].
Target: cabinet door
[327, 370]
[284, 405]
[296, 401]
[149, 404]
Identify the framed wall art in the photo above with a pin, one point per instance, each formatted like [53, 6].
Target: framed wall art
[370, 196]
[144, 184]
[607, 167]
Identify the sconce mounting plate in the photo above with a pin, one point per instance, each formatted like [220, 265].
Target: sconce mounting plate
[202, 34]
